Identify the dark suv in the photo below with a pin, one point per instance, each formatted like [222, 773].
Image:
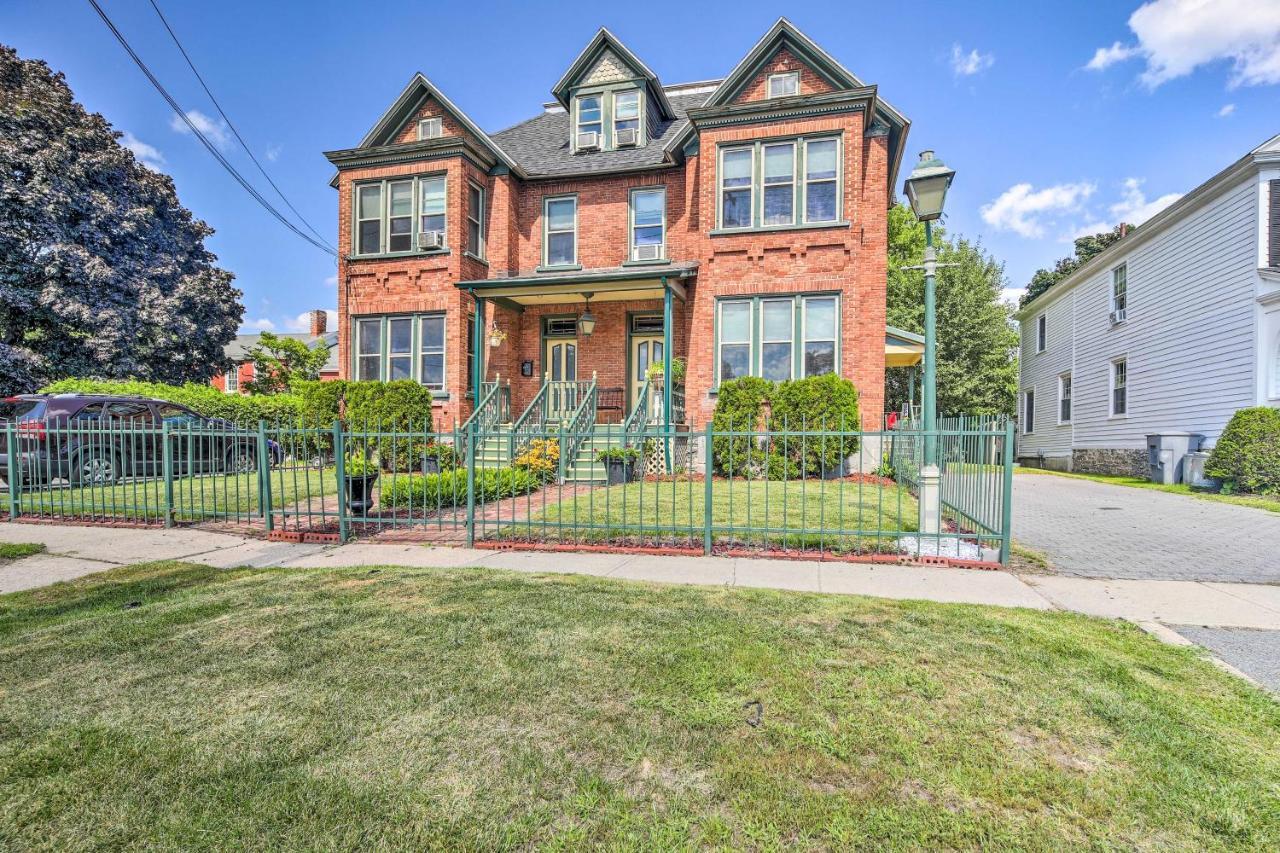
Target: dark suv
[97, 438]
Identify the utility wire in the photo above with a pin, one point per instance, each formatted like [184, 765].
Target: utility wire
[177, 108]
[232, 126]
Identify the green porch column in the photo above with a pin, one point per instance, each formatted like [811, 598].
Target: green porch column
[666, 372]
[478, 341]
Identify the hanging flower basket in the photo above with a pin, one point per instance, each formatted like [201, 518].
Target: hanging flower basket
[497, 337]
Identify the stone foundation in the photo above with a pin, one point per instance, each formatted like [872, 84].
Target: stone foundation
[1049, 463]
[1110, 460]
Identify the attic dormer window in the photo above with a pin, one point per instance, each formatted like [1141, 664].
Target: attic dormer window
[590, 124]
[626, 118]
[783, 84]
[430, 128]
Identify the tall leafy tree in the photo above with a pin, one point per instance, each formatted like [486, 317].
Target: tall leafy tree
[1085, 248]
[278, 362]
[977, 343]
[102, 272]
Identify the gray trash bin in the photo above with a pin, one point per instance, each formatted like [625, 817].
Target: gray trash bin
[1165, 452]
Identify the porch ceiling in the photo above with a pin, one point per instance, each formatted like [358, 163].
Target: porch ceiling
[614, 284]
[902, 348]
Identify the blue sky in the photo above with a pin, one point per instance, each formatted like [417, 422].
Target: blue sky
[1057, 116]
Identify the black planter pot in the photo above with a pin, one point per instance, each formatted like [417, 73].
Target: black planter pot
[619, 471]
[431, 464]
[360, 493]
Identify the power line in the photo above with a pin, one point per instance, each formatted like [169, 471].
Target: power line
[177, 108]
[232, 126]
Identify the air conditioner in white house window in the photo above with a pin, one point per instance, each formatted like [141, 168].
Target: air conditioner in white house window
[431, 240]
[628, 137]
[1117, 316]
[587, 141]
[648, 253]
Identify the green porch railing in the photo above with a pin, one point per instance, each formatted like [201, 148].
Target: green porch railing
[641, 414]
[806, 488]
[494, 408]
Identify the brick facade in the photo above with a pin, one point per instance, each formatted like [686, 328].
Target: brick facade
[848, 258]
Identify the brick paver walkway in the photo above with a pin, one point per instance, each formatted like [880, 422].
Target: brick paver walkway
[1100, 530]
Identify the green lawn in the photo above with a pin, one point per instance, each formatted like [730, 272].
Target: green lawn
[194, 498]
[18, 550]
[835, 514]
[1267, 502]
[179, 707]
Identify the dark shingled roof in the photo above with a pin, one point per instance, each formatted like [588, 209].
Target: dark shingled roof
[541, 144]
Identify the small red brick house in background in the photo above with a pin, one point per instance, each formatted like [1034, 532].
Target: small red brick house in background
[738, 223]
[234, 380]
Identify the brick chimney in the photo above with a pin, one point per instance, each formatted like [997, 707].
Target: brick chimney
[319, 323]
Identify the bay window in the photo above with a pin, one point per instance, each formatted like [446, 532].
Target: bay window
[391, 216]
[736, 193]
[780, 184]
[821, 184]
[560, 226]
[400, 217]
[475, 220]
[777, 337]
[403, 346]
[431, 206]
[798, 181]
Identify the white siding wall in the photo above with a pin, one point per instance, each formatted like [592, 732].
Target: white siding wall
[1041, 371]
[1189, 337]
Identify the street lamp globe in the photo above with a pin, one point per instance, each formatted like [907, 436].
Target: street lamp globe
[927, 186]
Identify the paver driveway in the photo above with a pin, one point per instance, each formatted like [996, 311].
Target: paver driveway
[1100, 530]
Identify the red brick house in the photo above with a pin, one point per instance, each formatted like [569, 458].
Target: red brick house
[242, 372]
[738, 223]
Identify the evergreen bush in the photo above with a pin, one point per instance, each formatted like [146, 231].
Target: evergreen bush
[1247, 455]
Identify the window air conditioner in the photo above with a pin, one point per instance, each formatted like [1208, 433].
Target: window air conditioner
[648, 253]
[431, 240]
[628, 137]
[588, 141]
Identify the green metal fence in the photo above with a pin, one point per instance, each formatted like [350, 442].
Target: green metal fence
[803, 489]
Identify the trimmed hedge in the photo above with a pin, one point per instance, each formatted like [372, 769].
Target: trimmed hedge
[205, 399]
[739, 404]
[1247, 455]
[449, 488]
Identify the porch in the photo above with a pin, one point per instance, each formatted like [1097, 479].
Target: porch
[576, 353]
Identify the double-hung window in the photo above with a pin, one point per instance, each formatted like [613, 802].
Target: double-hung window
[780, 184]
[1119, 291]
[404, 346]
[648, 223]
[590, 120]
[736, 187]
[784, 83]
[1064, 398]
[777, 337]
[1042, 333]
[231, 380]
[391, 216]
[560, 221]
[626, 112]
[1029, 412]
[475, 220]
[430, 128]
[1119, 387]
[821, 184]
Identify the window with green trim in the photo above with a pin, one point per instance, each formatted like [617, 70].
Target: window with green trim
[590, 120]
[475, 220]
[626, 111]
[780, 183]
[777, 337]
[404, 346]
[560, 231]
[392, 215]
[648, 223]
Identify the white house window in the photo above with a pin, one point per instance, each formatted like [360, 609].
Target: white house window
[820, 180]
[780, 184]
[430, 128]
[1064, 398]
[406, 347]
[783, 84]
[778, 337]
[1119, 387]
[1042, 333]
[736, 194]
[231, 380]
[413, 207]
[431, 206]
[369, 219]
[1029, 412]
[590, 120]
[648, 223]
[626, 111]
[475, 220]
[1119, 291]
[560, 247]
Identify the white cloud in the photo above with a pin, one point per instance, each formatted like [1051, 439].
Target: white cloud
[331, 281]
[258, 325]
[1010, 295]
[1227, 109]
[1022, 208]
[302, 322]
[1176, 37]
[1133, 206]
[967, 64]
[148, 155]
[273, 152]
[1086, 230]
[215, 131]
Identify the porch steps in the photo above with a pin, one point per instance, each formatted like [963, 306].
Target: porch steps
[494, 451]
[586, 468]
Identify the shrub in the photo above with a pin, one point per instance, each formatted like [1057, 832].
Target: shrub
[449, 488]
[738, 406]
[205, 399]
[402, 409]
[824, 403]
[541, 458]
[1247, 455]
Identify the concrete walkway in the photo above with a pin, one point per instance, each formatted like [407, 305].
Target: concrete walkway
[77, 551]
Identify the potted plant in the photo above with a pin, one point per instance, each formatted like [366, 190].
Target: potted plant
[678, 369]
[360, 474]
[437, 457]
[497, 336]
[619, 463]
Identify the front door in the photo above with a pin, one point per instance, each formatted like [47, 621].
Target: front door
[560, 360]
[644, 352]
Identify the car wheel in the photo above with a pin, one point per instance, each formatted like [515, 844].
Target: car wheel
[241, 460]
[95, 469]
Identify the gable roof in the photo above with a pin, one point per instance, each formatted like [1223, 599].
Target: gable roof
[541, 144]
[602, 42]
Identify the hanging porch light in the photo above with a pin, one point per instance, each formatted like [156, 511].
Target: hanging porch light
[587, 322]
